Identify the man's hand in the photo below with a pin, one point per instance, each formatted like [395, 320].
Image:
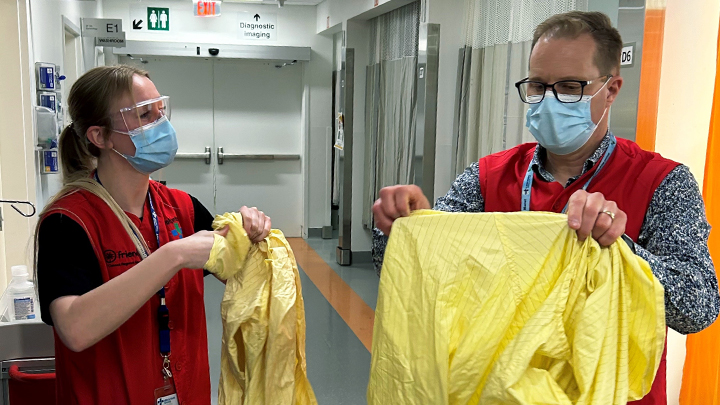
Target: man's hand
[591, 214]
[256, 223]
[396, 202]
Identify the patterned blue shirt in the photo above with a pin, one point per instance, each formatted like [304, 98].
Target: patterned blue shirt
[673, 238]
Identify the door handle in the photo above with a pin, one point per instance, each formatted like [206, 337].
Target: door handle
[205, 155]
[221, 156]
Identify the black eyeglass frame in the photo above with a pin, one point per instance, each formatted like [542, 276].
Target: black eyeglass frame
[582, 83]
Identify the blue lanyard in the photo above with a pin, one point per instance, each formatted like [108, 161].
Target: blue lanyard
[163, 313]
[529, 175]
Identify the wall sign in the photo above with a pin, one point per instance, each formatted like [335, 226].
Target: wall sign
[94, 27]
[210, 8]
[158, 19]
[106, 31]
[150, 19]
[111, 41]
[259, 27]
[627, 56]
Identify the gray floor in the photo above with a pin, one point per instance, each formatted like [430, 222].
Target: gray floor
[338, 363]
[360, 277]
[213, 297]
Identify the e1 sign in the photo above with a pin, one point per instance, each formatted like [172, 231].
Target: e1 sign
[106, 31]
[105, 27]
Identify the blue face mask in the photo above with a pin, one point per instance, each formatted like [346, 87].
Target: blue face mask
[155, 146]
[561, 128]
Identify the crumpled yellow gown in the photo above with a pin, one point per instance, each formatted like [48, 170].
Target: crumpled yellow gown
[512, 309]
[263, 346]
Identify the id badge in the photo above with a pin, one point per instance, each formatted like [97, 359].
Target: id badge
[166, 395]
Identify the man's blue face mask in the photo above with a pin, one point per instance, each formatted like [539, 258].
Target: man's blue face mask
[562, 128]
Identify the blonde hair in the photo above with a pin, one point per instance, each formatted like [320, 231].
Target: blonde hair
[89, 104]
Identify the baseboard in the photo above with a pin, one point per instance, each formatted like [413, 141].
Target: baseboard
[326, 232]
[362, 257]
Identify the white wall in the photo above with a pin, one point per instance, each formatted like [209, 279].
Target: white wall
[17, 156]
[689, 56]
[48, 35]
[48, 31]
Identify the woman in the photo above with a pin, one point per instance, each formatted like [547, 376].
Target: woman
[118, 255]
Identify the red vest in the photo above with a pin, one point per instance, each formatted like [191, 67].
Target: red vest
[629, 178]
[125, 367]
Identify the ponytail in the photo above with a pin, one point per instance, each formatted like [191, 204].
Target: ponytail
[76, 158]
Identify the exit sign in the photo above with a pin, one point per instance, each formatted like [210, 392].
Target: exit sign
[208, 8]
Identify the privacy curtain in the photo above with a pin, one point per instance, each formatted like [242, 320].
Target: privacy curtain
[701, 375]
[390, 102]
[490, 115]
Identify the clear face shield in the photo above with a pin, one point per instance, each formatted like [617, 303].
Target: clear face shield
[143, 115]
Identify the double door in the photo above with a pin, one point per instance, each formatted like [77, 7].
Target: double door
[239, 133]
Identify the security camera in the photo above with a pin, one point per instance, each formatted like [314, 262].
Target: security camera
[214, 51]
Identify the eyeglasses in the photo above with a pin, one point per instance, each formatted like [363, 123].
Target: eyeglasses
[565, 91]
[145, 112]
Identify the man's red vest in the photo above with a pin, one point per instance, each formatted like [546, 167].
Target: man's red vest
[126, 367]
[629, 178]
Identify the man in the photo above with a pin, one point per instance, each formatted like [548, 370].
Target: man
[609, 187]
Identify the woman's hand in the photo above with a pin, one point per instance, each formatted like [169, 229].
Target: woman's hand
[256, 223]
[194, 251]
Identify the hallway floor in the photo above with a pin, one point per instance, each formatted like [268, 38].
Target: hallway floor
[339, 313]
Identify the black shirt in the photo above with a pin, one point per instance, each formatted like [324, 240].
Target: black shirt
[67, 264]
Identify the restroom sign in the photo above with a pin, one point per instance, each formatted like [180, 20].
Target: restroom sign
[158, 19]
[627, 55]
[257, 27]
